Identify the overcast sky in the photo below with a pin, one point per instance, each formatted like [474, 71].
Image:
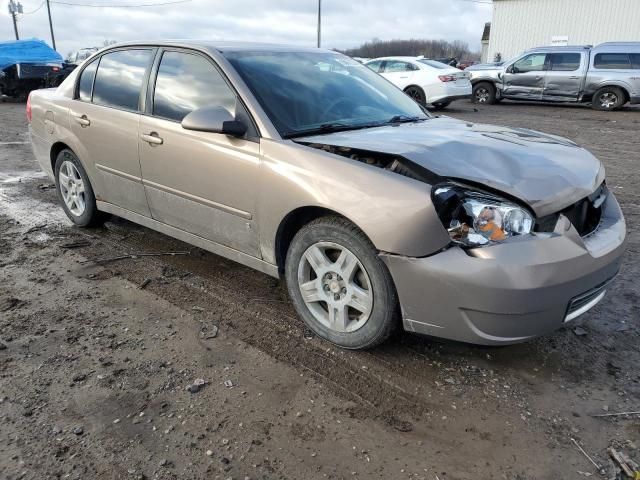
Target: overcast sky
[345, 23]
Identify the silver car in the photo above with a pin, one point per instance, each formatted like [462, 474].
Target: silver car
[305, 164]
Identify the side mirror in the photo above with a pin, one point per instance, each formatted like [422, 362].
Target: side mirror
[214, 120]
[511, 69]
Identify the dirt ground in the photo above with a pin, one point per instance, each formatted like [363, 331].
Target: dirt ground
[96, 355]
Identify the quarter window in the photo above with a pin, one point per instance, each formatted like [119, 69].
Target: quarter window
[564, 62]
[120, 77]
[612, 61]
[86, 81]
[186, 82]
[635, 60]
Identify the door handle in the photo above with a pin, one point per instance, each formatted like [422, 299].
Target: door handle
[83, 120]
[405, 76]
[538, 78]
[574, 78]
[152, 138]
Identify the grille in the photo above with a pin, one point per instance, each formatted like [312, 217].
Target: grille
[584, 215]
[580, 304]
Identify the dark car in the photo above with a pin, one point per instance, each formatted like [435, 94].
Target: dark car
[26, 65]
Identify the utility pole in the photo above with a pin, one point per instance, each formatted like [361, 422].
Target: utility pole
[319, 21]
[53, 39]
[14, 9]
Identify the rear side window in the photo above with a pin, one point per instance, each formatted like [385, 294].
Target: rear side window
[564, 62]
[612, 61]
[186, 82]
[86, 81]
[635, 60]
[120, 77]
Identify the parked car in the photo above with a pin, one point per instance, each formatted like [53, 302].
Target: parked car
[451, 61]
[78, 56]
[606, 76]
[426, 81]
[370, 208]
[26, 65]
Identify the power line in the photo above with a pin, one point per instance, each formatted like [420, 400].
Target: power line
[93, 5]
[34, 11]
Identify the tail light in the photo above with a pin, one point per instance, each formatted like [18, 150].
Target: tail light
[29, 108]
[447, 78]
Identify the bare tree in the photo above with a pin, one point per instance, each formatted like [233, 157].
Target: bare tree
[412, 47]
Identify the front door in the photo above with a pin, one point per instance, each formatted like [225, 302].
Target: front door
[200, 182]
[524, 79]
[104, 117]
[399, 72]
[564, 74]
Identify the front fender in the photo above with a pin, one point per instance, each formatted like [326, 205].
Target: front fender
[394, 211]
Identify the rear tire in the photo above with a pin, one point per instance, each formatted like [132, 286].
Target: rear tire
[417, 94]
[349, 297]
[608, 98]
[484, 93]
[75, 191]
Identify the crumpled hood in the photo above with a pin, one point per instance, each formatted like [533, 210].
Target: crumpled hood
[547, 172]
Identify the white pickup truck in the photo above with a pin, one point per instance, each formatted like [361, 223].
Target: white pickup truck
[606, 76]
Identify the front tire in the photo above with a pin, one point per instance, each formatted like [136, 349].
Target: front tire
[75, 191]
[417, 94]
[608, 98]
[339, 285]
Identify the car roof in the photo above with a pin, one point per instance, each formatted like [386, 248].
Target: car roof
[222, 46]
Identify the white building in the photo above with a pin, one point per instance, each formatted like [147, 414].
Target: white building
[518, 25]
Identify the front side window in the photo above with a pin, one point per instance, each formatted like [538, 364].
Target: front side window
[396, 66]
[530, 63]
[120, 77]
[564, 62]
[300, 95]
[85, 85]
[612, 61]
[186, 82]
[375, 65]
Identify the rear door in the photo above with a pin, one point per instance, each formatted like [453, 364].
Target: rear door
[564, 75]
[524, 79]
[399, 72]
[200, 182]
[104, 118]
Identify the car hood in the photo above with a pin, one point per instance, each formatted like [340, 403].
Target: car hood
[546, 172]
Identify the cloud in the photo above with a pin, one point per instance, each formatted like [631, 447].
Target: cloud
[345, 23]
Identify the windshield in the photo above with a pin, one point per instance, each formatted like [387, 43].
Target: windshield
[304, 92]
[435, 64]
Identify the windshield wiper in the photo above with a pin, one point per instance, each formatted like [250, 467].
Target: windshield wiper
[330, 128]
[405, 119]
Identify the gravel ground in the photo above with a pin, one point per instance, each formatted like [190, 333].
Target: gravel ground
[96, 356]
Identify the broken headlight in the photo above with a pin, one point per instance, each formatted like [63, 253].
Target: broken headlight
[475, 218]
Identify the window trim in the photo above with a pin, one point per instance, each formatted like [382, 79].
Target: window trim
[76, 93]
[147, 111]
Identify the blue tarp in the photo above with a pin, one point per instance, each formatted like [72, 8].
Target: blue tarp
[27, 51]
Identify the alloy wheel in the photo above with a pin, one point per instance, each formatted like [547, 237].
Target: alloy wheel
[608, 100]
[335, 287]
[72, 188]
[482, 95]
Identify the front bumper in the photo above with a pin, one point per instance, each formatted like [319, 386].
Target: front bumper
[514, 291]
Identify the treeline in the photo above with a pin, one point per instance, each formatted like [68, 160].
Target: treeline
[413, 47]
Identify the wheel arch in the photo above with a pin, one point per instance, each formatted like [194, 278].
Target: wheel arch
[296, 220]
[621, 86]
[55, 150]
